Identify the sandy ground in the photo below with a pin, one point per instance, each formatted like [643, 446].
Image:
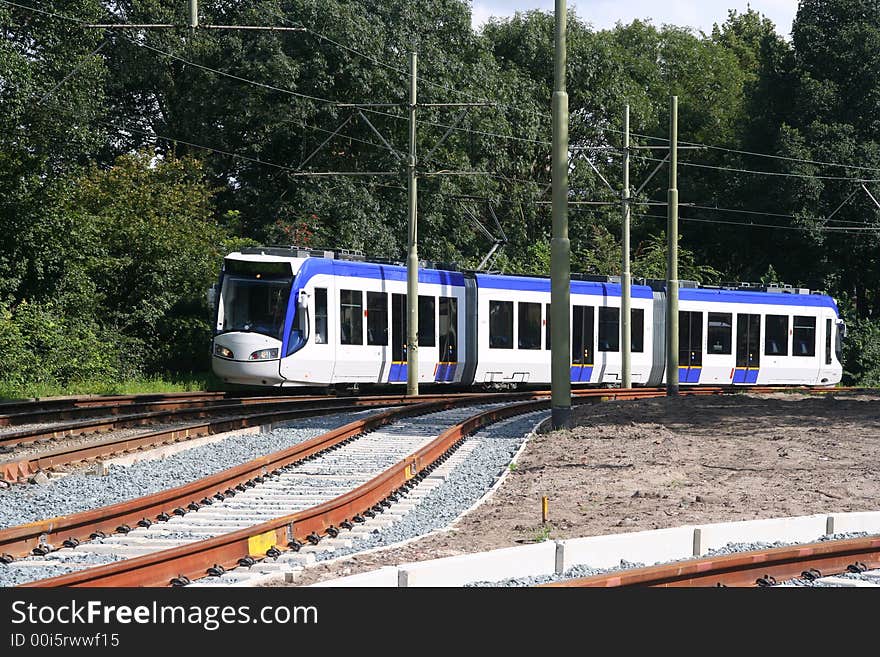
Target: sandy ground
[651, 464]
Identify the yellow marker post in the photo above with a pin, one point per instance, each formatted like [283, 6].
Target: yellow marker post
[545, 506]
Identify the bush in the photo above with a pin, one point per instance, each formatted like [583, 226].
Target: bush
[41, 344]
[861, 353]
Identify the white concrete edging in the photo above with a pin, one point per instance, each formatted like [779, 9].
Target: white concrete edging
[649, 547]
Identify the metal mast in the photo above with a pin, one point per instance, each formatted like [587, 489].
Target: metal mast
[560, 247]
[625, 279]
[672, 257]
[412, 258]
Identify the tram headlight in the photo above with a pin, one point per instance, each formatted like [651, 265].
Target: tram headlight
[264, 354]
[223, 352]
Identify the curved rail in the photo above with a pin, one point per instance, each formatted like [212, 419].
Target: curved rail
[49, 404]
[291, 531]
[159, 568]
[21, 539]
[15, 470]
[756, 568]
[177, 410]
[137, 406]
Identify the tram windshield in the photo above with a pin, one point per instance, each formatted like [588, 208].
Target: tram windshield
[255, 305]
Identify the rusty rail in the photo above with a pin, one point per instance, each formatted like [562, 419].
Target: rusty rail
[25, 436]
[21, 539]
[743, 569]
[159, 568]
[14, 471]
[95, 401]
[135, 406]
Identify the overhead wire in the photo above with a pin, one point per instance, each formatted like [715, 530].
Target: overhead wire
[763, 173]
[849, 230]
[465, 94]
[467, 130]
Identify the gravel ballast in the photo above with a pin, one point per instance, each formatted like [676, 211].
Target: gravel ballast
[482, 468]
[466, 484]
[79, 492]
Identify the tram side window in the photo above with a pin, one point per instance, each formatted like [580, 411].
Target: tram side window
[720, 333]
[501, 324]
[377, 318]
[351, 317]
[637, 330]
[828, 342]
[448, 323]
[398, 327]
[529, 325]
[609, 329]
[776, 335]
[547, 327]
[690, 338]
[321, 315]
[804, 336]
[426, 321]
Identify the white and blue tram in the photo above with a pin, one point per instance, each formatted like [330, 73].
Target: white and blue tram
[288, 317]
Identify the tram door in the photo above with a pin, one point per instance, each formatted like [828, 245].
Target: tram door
[398, 339]
[582, 353]
[448, 354]
[748, 348]
[690, 346]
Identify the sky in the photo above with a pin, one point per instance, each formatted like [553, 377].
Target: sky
[603, 14]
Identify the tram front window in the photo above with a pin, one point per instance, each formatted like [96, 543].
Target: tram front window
[255, 305]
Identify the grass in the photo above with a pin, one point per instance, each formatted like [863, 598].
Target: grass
[542, 535]
[155, 384]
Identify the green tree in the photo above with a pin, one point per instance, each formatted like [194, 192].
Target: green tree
[51, 99]
[156, 249]
[649, 261]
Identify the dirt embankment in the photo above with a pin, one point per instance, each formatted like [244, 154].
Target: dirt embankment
[651, 464]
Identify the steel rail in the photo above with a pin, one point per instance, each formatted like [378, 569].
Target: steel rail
[94, 401]
[21, 539]
[159, 568]
[61, 403]
[28, 536]
[16, 470]
[29, 416]
[95, 425]
[177, 408]
[291, 531]
[742, 569]
[132, 405]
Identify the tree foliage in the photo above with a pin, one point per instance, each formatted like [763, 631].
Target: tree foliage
[129, 160]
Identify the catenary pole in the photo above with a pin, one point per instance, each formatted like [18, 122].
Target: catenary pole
[412, 258]
[672, 257]
[193, 13]
[560, 247]
[625, 278]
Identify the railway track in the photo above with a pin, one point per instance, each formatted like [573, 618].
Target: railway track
[57, 404]
[759, 568]
[237, 414]
[286, 532]
[19, 464]
[291, 530]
